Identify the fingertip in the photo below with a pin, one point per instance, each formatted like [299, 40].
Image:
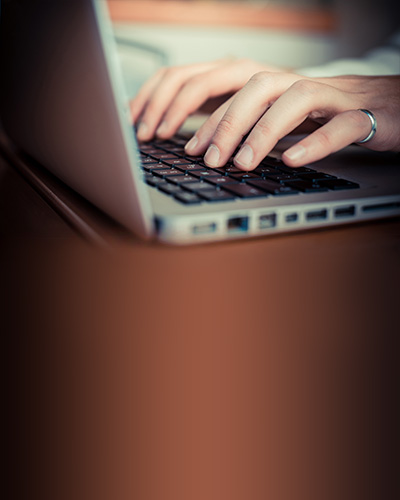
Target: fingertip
[191, 145]
[163, 131]
[295, 156]
[143, 132]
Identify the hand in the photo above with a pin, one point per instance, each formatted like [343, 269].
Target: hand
[271, 105]
[172, 94]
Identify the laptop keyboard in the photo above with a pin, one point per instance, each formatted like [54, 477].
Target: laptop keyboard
[169, 169]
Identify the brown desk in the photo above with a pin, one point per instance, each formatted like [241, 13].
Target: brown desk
[242, 370]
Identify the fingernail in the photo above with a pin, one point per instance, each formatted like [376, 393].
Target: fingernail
[191, 145]
[245, 156]
[162, 129]
[142, 130]
[296, 152]
[212, 156]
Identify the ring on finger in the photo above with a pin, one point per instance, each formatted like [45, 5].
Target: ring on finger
[373, 126]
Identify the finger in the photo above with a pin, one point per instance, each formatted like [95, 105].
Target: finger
[246, 109]
[342, 130]
[162, 94]
[304, 98]
[221, 80]
[202, 138]
[138, 103]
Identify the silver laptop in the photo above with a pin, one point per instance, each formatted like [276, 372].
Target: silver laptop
[62, 102]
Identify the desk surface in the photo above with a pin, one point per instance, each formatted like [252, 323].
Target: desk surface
[205, 372]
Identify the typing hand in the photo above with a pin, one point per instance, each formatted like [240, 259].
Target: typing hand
[271, 105]
[172, 94]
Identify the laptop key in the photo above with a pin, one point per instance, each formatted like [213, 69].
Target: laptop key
[181, 179]
[228, 170]
[170, 188]
[295, 170]
[165, 156]
[205, 173]
[189, 167]
[316, 176]
[336, 184]
[155, 181]
[188, 198]
[149, 160]
[282, 177]
[245, 191]
[216, 195]
[178, 161]
[220, 180]
[243, 176]
[165, 172]
[306, 186]
[197, 186]
[265, 170]
[272, 187]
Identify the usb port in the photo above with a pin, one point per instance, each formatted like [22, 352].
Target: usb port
[347, 211]
[238, 224]
[204, 228]
[267, 221]
[291, 217]
[317, 215]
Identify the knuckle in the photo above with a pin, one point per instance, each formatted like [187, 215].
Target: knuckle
[306, 88]
[226, 125]
[323, 138]
[357, 119]
[195, 82]
[265, 129]
[261, 78]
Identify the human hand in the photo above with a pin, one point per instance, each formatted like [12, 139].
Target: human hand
[172, 94]
[271, 105]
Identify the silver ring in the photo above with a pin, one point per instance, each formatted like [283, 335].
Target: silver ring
[373, 126]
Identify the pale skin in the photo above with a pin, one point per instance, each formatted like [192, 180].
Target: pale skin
[264, 105]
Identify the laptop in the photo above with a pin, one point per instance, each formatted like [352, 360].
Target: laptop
[62, 102]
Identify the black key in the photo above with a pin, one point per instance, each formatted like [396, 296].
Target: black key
[178, 161]
[271, 162]
[205, 173]
[265, 170]
[188, 198]
[165, 172]
[170, 188]
[222, 180]
[197, 186]
[149, 160]
[146, 147]
[243, 176]
[165, 156]
[228, 170]
[177, 150]
[337, 184]
[216, 195]
[316, 176]
[153, 151]
[181, 179]
[306, 186]
[245, 191]
[189, 167]
[195, 159]
[181, 141]
[272, 187]
[282, 177]
[155, 181]
[295, 170]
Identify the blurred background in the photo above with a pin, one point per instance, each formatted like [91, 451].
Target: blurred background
[287, 33]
